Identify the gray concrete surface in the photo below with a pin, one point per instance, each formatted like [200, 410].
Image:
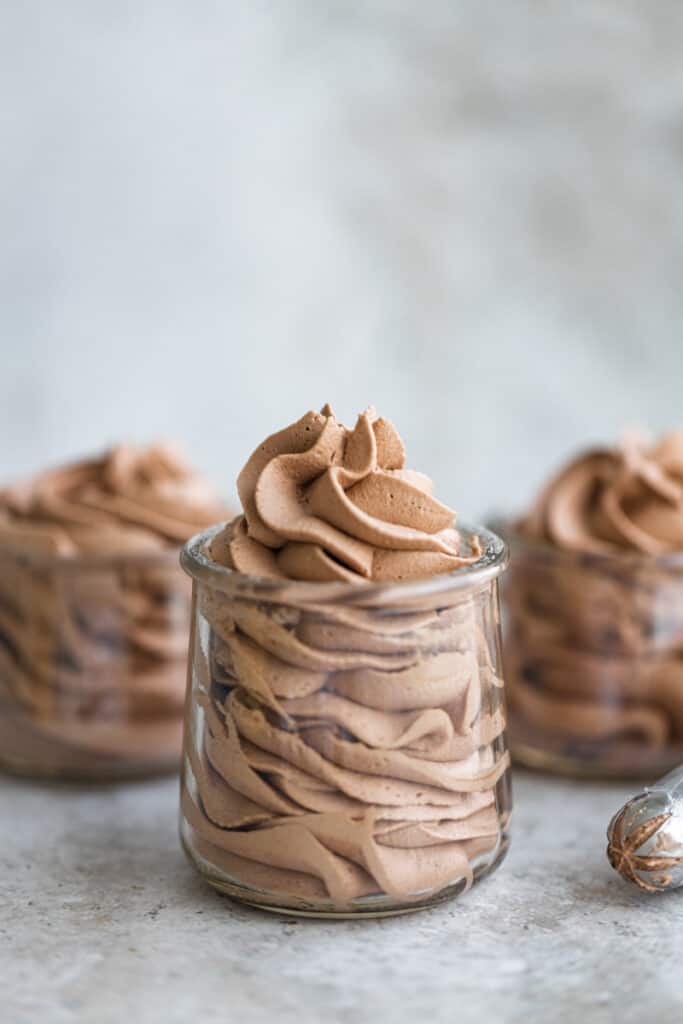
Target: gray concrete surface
[103, 922]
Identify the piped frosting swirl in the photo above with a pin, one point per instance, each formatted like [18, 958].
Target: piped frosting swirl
[128, 500]
[93, 638]
[594, 649]
[342, 749]
[322, 502]
[607, 500]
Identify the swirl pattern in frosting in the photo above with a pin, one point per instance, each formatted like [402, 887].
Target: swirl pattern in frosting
[594, 645]
[340, 751]
[322, 502]
[94, 612]
[626, 499]
[130, 500]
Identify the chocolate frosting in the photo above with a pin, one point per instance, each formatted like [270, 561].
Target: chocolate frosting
[343, 751]
[594, 646]
[322, 502]
[628, 498]
[94, 611]
[131, 500]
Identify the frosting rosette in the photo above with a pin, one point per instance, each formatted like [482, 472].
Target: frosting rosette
[625, 499]
[342, 750]
[94, 612]
[594, 645]
[128, 500]
[322, 502]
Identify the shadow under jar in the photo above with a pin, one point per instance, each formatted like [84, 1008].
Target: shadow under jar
[594, 660]
[93, 658]
[344, 748]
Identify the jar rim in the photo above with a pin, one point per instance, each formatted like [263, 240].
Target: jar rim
[510, 531]
[198, 564]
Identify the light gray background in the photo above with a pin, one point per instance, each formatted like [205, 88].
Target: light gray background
[214, 215]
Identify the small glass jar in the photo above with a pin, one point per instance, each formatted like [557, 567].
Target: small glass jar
[93, 659]
[344, 749]
[594, 660]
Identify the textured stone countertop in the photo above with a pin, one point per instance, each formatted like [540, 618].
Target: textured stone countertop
[102, 921]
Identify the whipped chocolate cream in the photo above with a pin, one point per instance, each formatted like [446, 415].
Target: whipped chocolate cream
[94, 612]
[594, 652]
[626, 499]
[322, 502]
[129, 500]
[337, 751]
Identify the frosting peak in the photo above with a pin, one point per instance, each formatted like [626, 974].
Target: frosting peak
[130, 499]
[628, 498]
[324, 502]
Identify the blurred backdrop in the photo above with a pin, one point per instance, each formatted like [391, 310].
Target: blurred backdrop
[216, 214]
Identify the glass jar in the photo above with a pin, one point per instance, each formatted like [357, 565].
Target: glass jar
[93, 659]
[344, 749]
[594, 660]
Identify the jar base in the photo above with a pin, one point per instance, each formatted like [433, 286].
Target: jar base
[540, 760]
[95, 774]
[365, 910]
[237, 893]
[84, 752]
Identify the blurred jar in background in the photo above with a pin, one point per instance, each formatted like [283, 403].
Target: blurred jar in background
[345, 750]
[594, 615]
[94, 614]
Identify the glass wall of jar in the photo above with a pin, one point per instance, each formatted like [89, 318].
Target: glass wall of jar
[594, 660]
[344, 749]
[93, 658]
